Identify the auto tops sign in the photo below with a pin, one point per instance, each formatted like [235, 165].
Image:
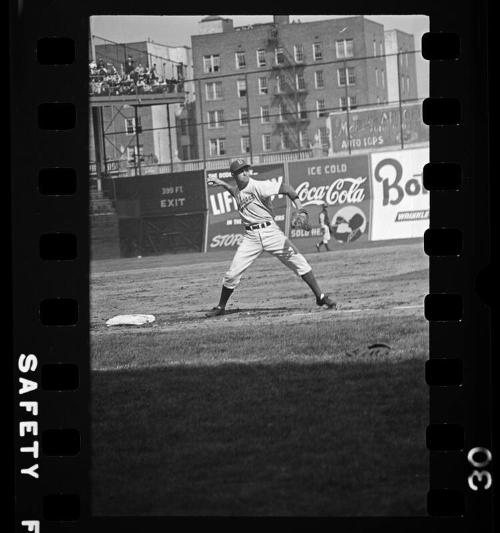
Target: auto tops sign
[225, 229]
[400, 202]
[375, 127]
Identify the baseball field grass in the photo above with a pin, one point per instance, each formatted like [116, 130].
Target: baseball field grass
[276, 408]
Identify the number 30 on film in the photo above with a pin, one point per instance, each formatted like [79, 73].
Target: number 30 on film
[479, 458]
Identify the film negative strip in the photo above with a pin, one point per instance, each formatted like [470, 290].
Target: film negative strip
[65, 382]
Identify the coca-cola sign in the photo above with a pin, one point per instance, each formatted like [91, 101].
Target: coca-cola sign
[341, 191]
[338, 182]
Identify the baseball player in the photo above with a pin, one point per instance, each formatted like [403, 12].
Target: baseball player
[253, 199]
[324, 222]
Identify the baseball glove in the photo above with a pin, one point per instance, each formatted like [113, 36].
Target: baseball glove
[300, 220]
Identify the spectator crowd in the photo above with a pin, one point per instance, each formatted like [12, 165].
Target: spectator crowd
[105, 80]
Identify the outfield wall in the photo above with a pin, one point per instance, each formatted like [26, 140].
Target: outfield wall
[371, 197]
[162, 213]
[400, 203]
[344, 184]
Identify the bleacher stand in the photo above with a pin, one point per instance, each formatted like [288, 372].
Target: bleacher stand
[105, 80]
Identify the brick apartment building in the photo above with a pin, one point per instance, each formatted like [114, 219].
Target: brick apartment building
[119, 121]
[400, 66]
[289, 76]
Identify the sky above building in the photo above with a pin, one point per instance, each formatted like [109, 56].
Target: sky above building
[177, 31]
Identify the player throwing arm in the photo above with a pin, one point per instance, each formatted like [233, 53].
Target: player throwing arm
[253, 199]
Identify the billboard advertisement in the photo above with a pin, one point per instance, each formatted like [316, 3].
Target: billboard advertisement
[225, 229]
[160, 194]
[378, 127]
[344, 184]
[400, 202]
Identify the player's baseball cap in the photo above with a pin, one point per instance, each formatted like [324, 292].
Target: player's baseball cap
[237, 165]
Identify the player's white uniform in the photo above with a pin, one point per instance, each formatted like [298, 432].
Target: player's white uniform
[261, 233]
[324, 228]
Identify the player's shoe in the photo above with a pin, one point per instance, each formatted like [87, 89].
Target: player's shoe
[326, 300]
[215, 311]
[317, 247]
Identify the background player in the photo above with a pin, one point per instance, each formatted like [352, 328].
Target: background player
[253, 199]
[324, 222]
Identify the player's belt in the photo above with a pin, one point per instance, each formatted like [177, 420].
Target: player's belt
[257, 226]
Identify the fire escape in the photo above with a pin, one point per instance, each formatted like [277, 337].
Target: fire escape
[287, 93]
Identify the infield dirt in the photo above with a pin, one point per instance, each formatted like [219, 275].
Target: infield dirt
[261, 411]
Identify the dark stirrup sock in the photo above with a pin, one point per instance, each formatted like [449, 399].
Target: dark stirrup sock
[313, 284]
[224, 296]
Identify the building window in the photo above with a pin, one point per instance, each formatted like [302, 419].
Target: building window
[185, 152]
[245, 144]
[243, 116]
[264, 114]
[300, 82]
[376, 77]
[132, 153]
[215, 118]
[374, 48]
[261, 58]
[241, 88]
[346, 76]
[319, 82]
[184, 126]
[280, 84]
[298, 53]
[351, 76]
[279, 56]
[402, 85]
[285, 140]
[351, 102]
[303, 139]
[381, 44]
[406, 60]
[266, 142]
[211, 63]
[320, 108]
[240, 60]
[317, 52]
[301, 112]
[213, 90]
[323, 137]
[217, 146]
[281, 112]
[382, 75]
[408, 84]
[401, 57]
[345, 48]
[263, 89]
[130, 126]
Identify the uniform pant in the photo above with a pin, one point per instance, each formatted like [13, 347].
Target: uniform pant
[326, 234]
[269, 239]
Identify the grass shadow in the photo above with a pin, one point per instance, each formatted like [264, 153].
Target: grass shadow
[261, 439]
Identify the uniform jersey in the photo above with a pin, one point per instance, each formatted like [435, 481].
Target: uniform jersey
[323, 218]
[254, 201]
